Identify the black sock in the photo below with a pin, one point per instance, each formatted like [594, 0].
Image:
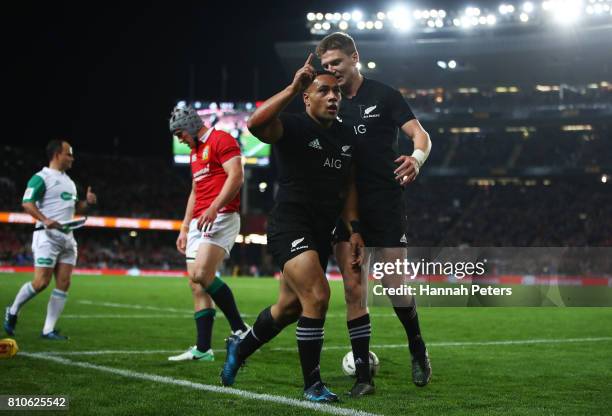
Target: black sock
[360, 332]
[410, 319]
[264, 329]
[224, 298]
[309, 334]
[204, 320]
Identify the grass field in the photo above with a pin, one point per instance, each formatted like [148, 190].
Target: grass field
[485, 360]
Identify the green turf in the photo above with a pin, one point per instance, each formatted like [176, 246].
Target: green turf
[562, 378]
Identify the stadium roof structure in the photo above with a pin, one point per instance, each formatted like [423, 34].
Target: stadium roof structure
[552, 55]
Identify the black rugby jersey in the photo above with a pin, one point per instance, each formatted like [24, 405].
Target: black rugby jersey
[375, 115]
[313, 162]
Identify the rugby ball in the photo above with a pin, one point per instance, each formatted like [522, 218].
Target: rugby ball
[348, 364]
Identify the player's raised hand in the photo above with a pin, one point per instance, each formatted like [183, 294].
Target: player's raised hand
[407, 170]
[181, 242]
[304, 76]
[91, 198]
[205, 222]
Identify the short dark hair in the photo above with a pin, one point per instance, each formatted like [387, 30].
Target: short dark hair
[336, 40]
[54, 147]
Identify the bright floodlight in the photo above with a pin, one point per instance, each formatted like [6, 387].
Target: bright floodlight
[400, 18]
[439, 23]
[442, 64]
[346, 16]
[524, 17]
[441, 14]
[380, 16]
[378, 24]
[317, 26]
[369, 25]
[343, 25]
[510, 8]
[357, 15]
[371, 65]
[528, 7]
[491, 19]
[566, 11]
[452, 64]
[197, 105]
[319, 16]
[604, 178]
[433, 13]
[431, 23]
[329, 16]
[482, 20]
[417, 14]
[361, 25]
[337, 16]
[311, 17]
[326, 26]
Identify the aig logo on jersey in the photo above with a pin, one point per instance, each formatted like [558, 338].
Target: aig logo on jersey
[369, 111]
[205, 153]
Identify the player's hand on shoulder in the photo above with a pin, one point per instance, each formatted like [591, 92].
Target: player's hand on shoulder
[304, 76]
[407, 170]
[91, 198]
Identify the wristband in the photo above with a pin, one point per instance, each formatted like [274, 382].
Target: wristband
[420, 157]
[355, 227]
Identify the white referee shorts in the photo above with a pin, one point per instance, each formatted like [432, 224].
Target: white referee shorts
[223, 234]
[52, 246]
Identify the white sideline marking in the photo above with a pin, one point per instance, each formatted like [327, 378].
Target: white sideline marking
[110, 316]
[159, 309]
[325, 408]
[342, 347]
[146, 307]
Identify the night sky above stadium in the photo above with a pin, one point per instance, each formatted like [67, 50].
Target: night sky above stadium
[106, 78]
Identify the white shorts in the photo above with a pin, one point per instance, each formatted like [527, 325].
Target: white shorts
[52, 246]
[223, 234]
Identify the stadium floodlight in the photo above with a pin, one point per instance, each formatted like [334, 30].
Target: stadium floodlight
[474, 21]
[317, 26]
[337, 16]
[566, 11]
[358, 65]
[590, 10]
[378, 24]
[311, 16]
[417, 14]
[439, 23]
[482, 20]
[528, 7]
[400, 18]
[491, 20]
[425, 14]
[197, 105]
[433, 13]
[371, 64]
[503, 9]
[380, 15]
[346, 16]
[361, 25]
[456, 22]
[357, 15]
[452, 64]
[369, 25]
[442, 64]
[604, 178]
[133, 234]
[431, 23]
[441, 14]
[326, 26]
[319, 16]
[465, 22]
[524, 17]
[263, 186]
[598, 8]
[343, 25]
[329, 16]
[472, 11]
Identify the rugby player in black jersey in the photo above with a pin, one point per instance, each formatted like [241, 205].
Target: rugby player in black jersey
[376, 112]
[314, 152]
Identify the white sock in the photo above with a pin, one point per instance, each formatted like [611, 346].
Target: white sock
[57, 300]
[26, 293]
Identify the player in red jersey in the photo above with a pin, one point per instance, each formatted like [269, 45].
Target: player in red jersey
[210, 225]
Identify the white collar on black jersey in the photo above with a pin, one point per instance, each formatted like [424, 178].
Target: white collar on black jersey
[206, 135]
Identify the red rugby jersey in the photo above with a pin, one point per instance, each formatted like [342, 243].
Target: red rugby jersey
[213, 149]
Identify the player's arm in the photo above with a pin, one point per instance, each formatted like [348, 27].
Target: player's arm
[410, 166]
[264, 123]
[235, 178]
[350, 216]
[35, 191]
[90, 199]
[181, 241]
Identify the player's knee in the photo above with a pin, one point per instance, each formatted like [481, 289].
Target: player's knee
[63, 285]
[318, 299]
[40, 285]
[203, 276]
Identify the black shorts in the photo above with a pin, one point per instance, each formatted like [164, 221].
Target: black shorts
[383, 221]
[294, 228]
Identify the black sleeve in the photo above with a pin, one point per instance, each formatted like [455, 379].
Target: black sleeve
[400, 110]
[291, 129]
